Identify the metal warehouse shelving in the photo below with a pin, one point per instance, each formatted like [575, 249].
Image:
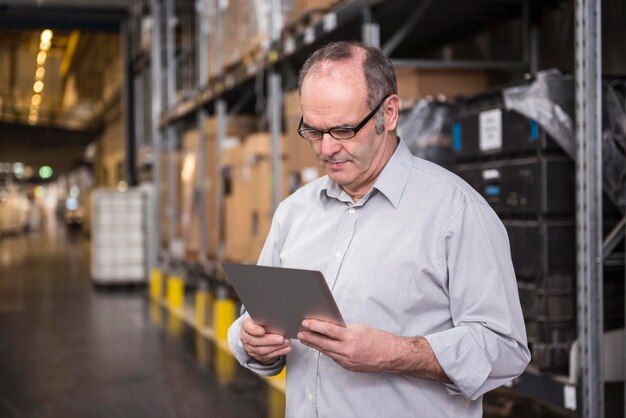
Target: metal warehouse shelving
[172, 88]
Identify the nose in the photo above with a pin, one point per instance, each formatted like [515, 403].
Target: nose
[329, 145]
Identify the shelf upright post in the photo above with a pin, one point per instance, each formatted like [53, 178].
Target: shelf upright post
[157, 138]
[128, 100]
[170, 22]
[370, 31]
[200, 188]
[276, 105]
[530, 38]
[220, 113]
[589, 205]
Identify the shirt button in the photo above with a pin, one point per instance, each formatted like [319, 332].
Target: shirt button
[338, 254]
[352, 210]
[309, 397]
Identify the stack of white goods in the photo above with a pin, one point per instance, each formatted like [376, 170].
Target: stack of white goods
[13, 214]
[118, 236]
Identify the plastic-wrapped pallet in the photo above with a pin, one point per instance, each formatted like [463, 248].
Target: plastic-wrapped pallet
[118, 236]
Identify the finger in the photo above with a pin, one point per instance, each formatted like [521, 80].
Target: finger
[280, 352]
[252, 328]
[320, 342]
[325, 328]
[269, 354]
[270, 340]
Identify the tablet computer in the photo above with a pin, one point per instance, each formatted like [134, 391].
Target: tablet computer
[279, 298]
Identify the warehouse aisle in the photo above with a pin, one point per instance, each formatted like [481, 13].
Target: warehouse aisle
[67, 350]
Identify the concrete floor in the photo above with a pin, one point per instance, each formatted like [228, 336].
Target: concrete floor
[69, 350]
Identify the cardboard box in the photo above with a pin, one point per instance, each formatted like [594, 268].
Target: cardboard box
[248, 202]
[414, 84]
[301, 165]
[193, 190]
[165, 192]
[302, 7]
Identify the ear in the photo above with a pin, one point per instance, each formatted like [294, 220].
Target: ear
[392, 109]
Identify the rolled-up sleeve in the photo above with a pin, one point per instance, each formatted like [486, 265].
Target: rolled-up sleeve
[487, 346]
[236, 347]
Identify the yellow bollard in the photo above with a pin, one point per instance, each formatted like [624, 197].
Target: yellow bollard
[275, 403]
[175, 292]
[156, 284]
[202, 349]
[175, 326]
[223, 314]
[202, 305]
[225, 366]
[156, 313]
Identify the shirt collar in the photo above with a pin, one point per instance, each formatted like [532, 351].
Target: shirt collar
[390, 182]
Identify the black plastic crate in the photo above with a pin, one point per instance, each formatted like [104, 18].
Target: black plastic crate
[516, 134]
[528, 299]
[535, 185]
[544, 251]
[552, 357]
[555, 306]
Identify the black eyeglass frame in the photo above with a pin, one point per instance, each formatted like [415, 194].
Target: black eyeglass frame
[354, 129]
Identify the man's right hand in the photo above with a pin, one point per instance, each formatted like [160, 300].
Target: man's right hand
[261, 346]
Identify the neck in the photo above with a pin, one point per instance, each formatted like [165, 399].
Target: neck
[355, 197]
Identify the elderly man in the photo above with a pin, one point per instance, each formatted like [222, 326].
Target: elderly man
[416, 259]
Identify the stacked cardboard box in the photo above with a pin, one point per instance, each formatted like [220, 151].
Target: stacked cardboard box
[165, 194]
[118, 236]
[301, 8]
[237, 127]
[414, 83]
[301, 164]
[248, 196]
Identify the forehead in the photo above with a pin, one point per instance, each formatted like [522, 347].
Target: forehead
[334, 83]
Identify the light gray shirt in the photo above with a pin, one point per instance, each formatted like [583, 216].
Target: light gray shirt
[421, 254]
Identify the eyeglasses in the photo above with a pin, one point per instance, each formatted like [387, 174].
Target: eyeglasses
[340, 132]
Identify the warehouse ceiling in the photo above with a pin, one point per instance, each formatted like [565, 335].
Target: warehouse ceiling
[52, 92]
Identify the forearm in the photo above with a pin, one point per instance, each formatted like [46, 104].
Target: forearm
[414, 356]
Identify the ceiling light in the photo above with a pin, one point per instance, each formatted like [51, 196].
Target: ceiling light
[46, 35]
[38, 86]
[45, 46]
[41, 57]
[40, 73]
[36, 100]
[18, 168]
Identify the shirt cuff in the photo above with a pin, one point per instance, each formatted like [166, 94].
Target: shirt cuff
[462, 359]
[242, 356]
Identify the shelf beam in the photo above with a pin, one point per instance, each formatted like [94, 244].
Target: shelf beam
[406, 28]
[459, 65]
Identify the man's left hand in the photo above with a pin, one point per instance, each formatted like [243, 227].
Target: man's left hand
[356, 347]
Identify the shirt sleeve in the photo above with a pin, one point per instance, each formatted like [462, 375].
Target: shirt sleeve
[270, 256]
[486, 347]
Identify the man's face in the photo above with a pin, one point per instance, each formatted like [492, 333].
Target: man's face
[333, 95]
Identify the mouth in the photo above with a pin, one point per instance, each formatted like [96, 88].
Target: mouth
[336, 165]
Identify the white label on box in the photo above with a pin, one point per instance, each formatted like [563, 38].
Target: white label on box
[491, 174]
[309, 35]
[569, 397]
[290, 45]
[330, 22]
[490, 130]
